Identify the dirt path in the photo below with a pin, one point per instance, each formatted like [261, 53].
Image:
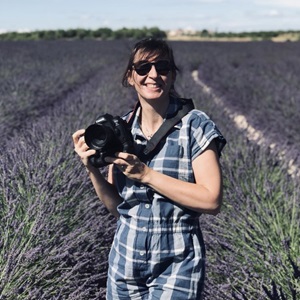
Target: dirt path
[241, 123]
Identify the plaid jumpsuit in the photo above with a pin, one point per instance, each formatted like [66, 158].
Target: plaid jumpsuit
[158, 251]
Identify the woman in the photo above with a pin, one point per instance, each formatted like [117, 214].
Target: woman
[158, 251]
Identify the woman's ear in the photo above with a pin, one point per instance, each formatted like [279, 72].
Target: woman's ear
[130, 78]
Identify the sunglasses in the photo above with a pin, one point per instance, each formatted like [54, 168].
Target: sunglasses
[162, 67]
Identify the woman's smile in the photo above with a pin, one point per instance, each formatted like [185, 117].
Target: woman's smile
[154, 86]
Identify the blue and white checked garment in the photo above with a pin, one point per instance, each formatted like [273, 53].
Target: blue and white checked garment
[158, 251]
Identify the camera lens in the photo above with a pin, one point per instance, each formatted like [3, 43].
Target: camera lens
[97, 136]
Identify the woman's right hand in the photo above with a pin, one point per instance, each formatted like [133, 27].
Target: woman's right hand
[81, 148]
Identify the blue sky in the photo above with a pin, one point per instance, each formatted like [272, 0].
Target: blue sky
[220, 15]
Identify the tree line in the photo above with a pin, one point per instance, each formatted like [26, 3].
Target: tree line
[136, 33]
[79, 33]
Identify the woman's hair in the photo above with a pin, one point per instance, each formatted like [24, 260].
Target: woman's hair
[150, 47]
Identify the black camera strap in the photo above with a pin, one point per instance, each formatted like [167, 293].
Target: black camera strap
[167, 125]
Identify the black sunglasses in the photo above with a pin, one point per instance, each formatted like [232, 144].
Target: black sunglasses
[143, 68]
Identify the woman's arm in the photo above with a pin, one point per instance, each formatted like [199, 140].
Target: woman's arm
[204, 196]
[105, 189]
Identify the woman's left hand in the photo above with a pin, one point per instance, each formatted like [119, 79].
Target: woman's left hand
[130, 165]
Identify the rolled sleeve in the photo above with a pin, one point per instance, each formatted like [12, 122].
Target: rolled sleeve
[203, 131]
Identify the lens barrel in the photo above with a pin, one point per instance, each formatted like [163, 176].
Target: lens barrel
[98, 136]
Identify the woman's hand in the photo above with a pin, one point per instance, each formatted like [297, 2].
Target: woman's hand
[130, 165]
[81, 148]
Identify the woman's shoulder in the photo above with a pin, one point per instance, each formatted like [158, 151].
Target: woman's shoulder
[196, 115]
[204, 128]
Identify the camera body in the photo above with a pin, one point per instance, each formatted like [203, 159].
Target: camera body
[107, 136]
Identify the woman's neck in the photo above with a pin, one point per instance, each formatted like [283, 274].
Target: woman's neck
[152, 115]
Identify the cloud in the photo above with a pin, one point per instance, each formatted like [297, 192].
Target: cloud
[85, 17]
[209, 1]
[19, 30]
[273, 13]
[281, 3]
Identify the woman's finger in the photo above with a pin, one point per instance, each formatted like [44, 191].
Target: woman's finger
[115, 160]
[126, 156]
[76, 135]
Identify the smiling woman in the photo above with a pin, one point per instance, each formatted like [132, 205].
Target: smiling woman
[158, 249]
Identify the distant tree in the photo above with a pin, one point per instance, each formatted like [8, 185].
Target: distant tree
[204, 33]
[70, 33]
[50, 35]
[60, 34]
[82, 33]
[103, 33]
[157, 33]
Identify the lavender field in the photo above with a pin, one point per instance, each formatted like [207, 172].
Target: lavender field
[54, 233]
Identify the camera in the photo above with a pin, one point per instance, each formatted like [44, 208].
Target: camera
[107, 136]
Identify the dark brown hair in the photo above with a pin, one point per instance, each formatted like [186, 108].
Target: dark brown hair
[152, 47]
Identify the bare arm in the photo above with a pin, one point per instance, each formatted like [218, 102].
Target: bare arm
[204, 196]
[105, 189]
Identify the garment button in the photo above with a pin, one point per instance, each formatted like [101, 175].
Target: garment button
[142, 253]
[144, 229]
[147, 205]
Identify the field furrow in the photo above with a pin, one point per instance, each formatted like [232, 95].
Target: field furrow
[55, 234]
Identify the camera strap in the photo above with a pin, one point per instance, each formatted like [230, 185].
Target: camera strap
[167, 125]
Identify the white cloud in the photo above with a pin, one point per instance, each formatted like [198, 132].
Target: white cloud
[273, 13]
[210, 1]
[85, 17]
[20, 30]
[281, 3]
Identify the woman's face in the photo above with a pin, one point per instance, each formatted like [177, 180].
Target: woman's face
[154, 84]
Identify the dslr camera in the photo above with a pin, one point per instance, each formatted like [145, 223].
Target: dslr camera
[107, 136]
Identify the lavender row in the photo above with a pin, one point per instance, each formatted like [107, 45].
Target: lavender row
[252, 245]
[36, 75]
[261, 81]
[55, 235]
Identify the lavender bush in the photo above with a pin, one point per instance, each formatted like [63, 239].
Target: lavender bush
[260, 80]
[252, 245]
[55, 234]
[40, 74]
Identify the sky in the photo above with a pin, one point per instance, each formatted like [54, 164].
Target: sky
[214, 15]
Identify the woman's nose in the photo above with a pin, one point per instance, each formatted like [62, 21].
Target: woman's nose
[153, 72]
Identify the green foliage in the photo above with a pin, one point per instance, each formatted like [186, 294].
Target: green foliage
[105, 33]
[79, 33]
